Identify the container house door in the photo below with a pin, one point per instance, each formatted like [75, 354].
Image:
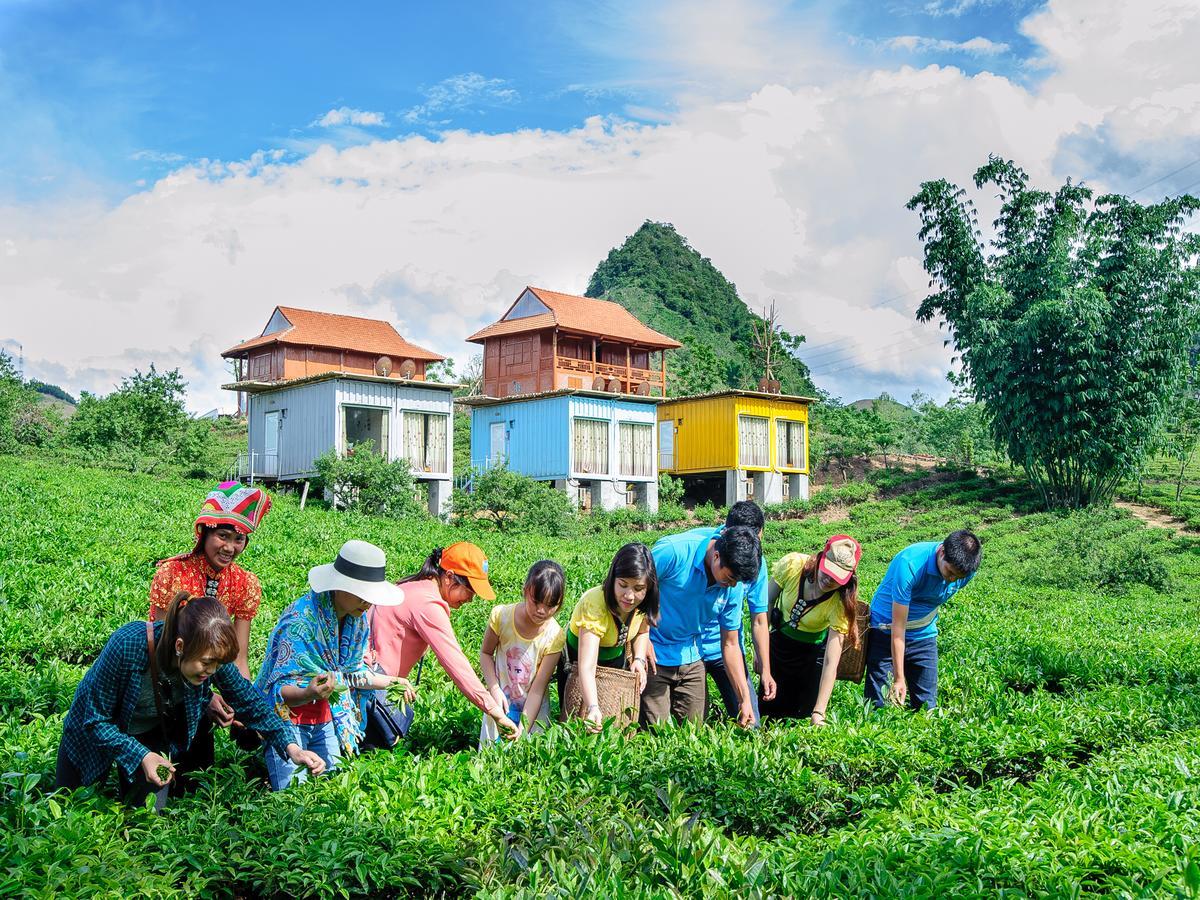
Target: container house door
[666, 445]
[498, 443]
[270, 460]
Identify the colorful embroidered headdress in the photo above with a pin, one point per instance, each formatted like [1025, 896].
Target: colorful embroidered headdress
[232, 503]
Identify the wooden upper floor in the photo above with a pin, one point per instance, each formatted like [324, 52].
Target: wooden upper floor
[298, 343]
[548, 341]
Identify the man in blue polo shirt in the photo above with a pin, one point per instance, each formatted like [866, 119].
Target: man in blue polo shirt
[697, 574]
[748, 513]
[902, 642]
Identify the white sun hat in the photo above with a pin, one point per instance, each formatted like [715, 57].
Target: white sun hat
[360, 569]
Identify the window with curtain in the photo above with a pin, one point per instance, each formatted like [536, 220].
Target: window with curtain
[590, 439]
[425, 441]
[754, 447]
[789, 439]
[637, 449]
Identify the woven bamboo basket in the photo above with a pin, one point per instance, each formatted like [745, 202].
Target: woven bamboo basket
[853, 662]
[616, 692]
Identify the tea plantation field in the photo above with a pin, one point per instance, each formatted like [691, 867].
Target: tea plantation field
[1065, 760]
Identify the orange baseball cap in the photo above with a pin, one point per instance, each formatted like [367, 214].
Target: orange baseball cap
[467, 560]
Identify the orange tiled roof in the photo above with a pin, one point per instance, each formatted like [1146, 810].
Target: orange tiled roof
[319, 329]
[602, 318]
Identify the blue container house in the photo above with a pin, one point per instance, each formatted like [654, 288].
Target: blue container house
[599, 447]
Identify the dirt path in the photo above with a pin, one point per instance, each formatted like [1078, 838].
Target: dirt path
[1153, 516]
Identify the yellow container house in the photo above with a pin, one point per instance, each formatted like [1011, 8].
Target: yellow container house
[756, 441]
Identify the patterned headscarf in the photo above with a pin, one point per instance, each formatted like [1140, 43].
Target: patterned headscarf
[232, 503]
[304, 645]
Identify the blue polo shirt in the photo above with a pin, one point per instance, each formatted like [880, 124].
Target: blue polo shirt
[755, 598]
[687, 601]
[913, 580]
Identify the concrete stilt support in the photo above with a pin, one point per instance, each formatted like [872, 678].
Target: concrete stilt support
[439, 496]
[797, 487]
[736, 486]
[768, 487]
[646, 493]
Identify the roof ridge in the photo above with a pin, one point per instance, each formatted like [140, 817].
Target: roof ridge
[318, 312]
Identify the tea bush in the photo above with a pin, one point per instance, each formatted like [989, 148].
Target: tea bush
[1062, 761]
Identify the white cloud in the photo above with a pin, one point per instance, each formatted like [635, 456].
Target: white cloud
[976, 46]
[344, 115]
[461, 92]
[796, 191]
[157, 156]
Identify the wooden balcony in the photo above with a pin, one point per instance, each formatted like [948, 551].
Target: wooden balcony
[629, 376]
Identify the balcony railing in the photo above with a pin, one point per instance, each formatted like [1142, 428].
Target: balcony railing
[256, 465]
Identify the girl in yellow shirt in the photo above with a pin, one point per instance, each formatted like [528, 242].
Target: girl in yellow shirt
[610, 625]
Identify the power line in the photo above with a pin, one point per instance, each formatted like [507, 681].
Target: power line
[1169, 175]
[908, 344]
[836, 356]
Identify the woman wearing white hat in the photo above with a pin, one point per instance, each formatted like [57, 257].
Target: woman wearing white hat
[314, 671]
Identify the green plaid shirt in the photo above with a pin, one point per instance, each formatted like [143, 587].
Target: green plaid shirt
[94, 731]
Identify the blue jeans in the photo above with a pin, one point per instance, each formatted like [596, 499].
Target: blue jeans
[720, 675]
[920, 670]
[320, 739]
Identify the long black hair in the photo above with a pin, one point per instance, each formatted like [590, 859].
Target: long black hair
[431, 570]
[633, 562]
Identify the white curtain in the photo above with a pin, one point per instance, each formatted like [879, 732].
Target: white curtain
[435, 458]
[754, 443]
[414, 439]
[789, 443]
[637, 446]
[591, 446]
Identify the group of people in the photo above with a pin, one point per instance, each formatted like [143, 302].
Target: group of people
[670, 615]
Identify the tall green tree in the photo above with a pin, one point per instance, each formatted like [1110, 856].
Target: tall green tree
[1072, 326]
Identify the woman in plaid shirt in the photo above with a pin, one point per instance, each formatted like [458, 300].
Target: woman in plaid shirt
[119, 713]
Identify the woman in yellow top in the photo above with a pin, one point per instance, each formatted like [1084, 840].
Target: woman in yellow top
[813, 612]
[610, 625]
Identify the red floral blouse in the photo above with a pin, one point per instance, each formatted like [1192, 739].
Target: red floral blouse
[236, 588]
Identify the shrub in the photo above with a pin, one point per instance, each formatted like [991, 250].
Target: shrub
[670, 490]
[143, 426]
[24, 421]
[365, 482]
[508, 501]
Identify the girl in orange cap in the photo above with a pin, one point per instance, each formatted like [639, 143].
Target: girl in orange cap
[400, 635]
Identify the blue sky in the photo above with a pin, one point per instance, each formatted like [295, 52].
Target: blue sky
[170, 172]
[108, 96]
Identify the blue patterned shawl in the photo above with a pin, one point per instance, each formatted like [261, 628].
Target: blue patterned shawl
[305, 644]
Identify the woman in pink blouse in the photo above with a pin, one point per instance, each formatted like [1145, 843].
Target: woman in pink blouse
[400, 635]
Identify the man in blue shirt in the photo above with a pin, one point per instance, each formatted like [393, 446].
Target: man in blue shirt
[748, 513]
[902, 642]
[697, 574]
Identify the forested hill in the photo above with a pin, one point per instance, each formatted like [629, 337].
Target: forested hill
[658, 277]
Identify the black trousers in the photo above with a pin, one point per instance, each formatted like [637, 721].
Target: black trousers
[796, 667]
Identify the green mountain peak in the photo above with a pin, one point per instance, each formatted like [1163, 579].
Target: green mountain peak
[661, 279]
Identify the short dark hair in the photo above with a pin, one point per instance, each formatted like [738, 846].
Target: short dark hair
[740, 552]
[746, 512]
[545, 582]
[962, 550]
[633, 562]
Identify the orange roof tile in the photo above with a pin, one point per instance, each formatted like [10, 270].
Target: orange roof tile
[602, 318]
[319, 329]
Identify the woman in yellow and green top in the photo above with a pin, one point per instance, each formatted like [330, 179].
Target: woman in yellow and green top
[813, 612]
[610, 625]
